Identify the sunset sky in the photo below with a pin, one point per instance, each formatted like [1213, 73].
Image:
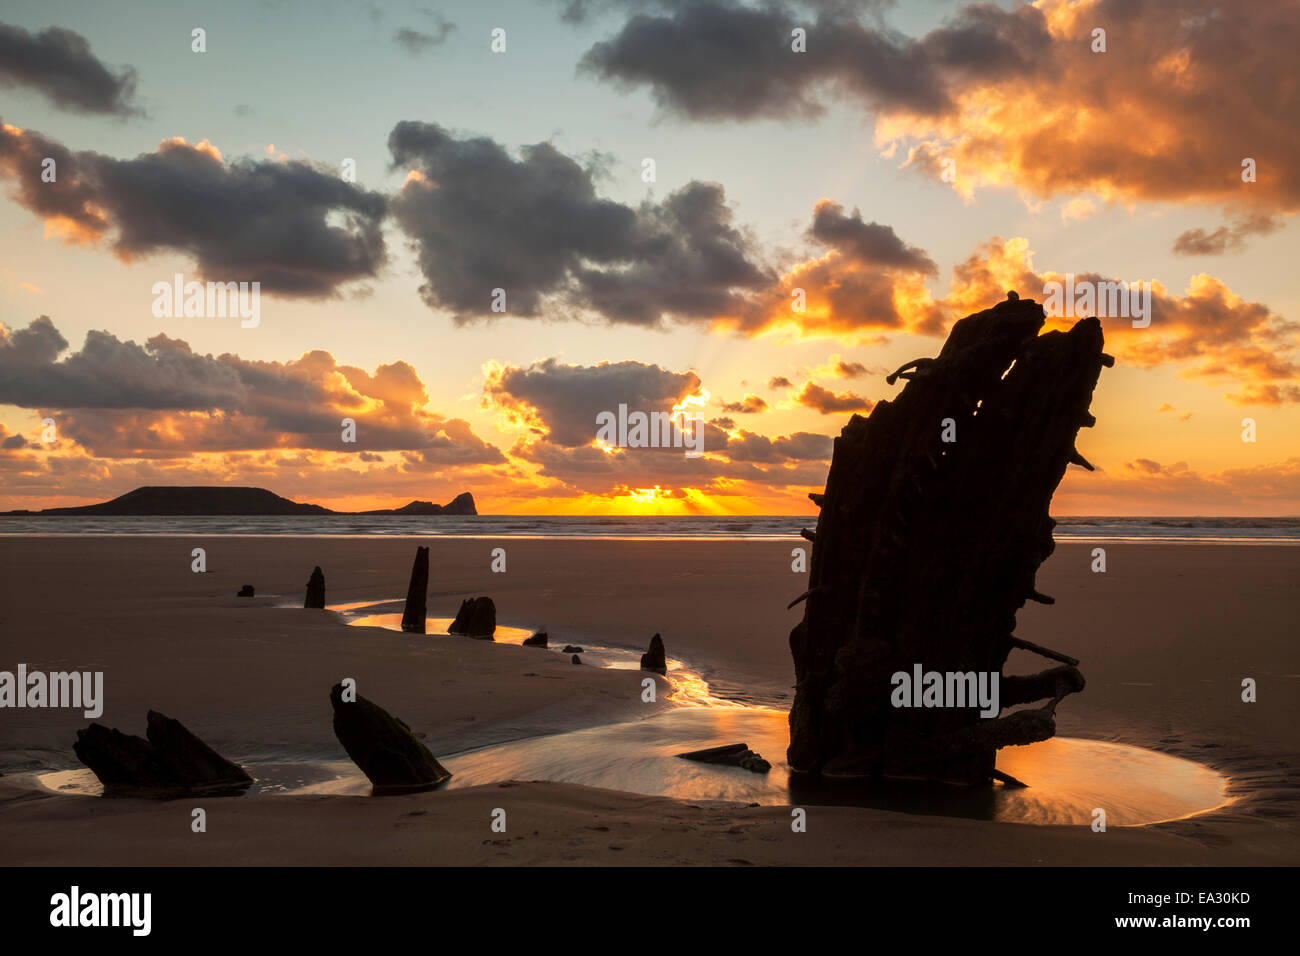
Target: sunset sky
[524, 170]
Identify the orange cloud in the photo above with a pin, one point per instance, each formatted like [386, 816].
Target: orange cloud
[1212, 332]
[1169, 111]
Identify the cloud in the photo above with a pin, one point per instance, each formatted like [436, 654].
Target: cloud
[120, 400]
[749, 405]
[528, 236]
[799, 446]
[1015, 98]
[1211, 332]
[1227, 238]
[827, 402]
[557, 405]
[11, 442]
[534, 227]
[1153, 488]
[758, 463]
[416, 42]
[1175, 71]
[715, 59]
[296, 228]
[561, 402]
[840, 368]
[866, 243]
[779, 381]
[58, 63]
[868, 281]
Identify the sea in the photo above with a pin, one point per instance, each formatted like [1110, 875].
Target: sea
[1282, 530]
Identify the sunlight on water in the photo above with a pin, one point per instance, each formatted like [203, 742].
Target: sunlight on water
[689, 687]
[338, 777]
[437, 626]
[1067, 777]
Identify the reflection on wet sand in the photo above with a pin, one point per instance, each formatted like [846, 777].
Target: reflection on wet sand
[1068, 778]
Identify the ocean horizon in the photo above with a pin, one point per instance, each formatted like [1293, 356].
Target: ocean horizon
[1250, 530]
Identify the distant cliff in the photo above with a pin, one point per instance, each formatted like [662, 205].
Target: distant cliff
[226, 500]
[462, 504]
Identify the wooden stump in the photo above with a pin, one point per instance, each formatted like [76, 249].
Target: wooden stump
[926, 548]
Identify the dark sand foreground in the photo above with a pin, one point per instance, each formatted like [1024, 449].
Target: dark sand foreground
[1165, 638]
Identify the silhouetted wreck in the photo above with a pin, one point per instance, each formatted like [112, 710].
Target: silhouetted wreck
[933, 525]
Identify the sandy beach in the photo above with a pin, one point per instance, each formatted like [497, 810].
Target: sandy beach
[1165, 637]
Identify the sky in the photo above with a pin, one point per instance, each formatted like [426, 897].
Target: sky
[652, 186]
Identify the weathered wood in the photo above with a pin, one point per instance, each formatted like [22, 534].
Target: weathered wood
[1009, 780]
[315, 589]
[1044, 651]
[385, 749]
[925, 549]
[477, 617]
[654, 658]
[172, 761]
[731, 755]
[417, 594]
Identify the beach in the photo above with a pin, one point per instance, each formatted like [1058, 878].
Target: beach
[1165, 637]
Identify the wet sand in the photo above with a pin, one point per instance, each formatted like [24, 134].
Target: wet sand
[1165, 638]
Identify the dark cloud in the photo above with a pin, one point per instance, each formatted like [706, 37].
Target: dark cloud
[561, 402]
[868, 280]
[689, 262]
[716, 59]
[59, 64]
[108, 373]
[849, 369]
[1013, 97]
[780, 381]
[121, 399]
[416, 42]
[800, 446]
[296, 228]
[1230, 237]
[535, 228]
[827, 402]
[749, 405]
[867, 243]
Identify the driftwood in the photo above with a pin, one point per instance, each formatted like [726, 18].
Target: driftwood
[390, 756]
[413, 614]
[731, 755]
[925, 548]
[477, 617]
[315, 589]
[654, 659]
[171, 762]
